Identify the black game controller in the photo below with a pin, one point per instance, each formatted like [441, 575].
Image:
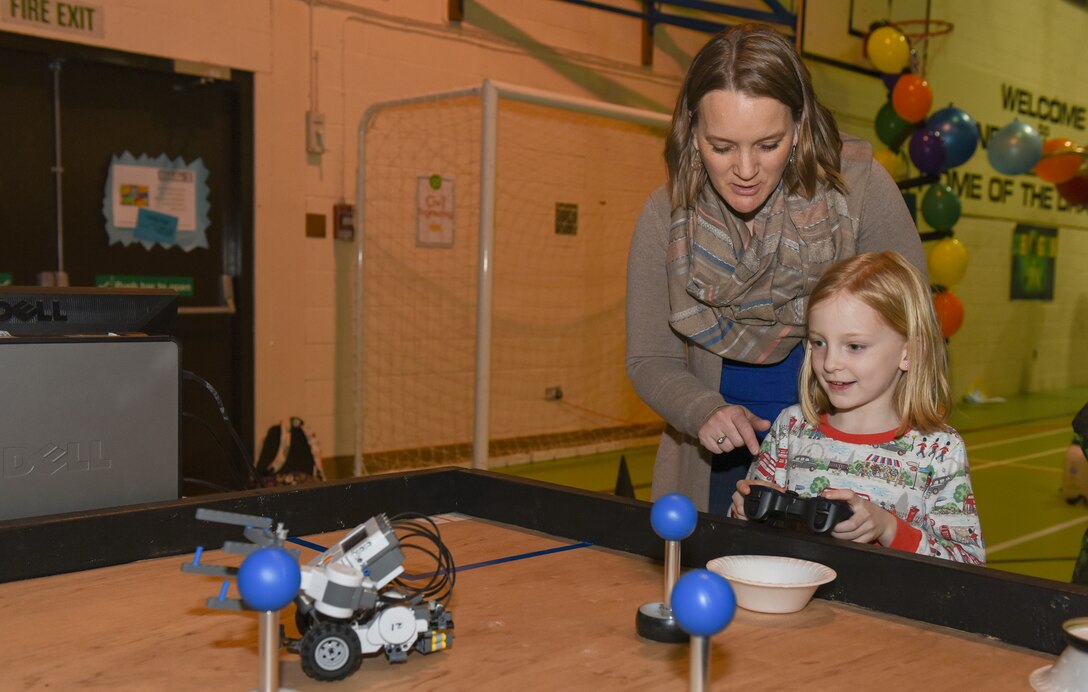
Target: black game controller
[817, 514]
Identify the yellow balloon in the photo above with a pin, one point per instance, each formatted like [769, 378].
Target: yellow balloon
[892, 162]
[888, 49]
[947, 262]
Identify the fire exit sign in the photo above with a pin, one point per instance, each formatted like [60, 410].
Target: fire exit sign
[73, 17]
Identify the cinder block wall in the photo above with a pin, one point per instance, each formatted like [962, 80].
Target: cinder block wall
[340, 57]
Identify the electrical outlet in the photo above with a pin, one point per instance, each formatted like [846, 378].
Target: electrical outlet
[553, 393]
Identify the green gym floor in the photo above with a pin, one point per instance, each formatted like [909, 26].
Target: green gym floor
[1017, 452]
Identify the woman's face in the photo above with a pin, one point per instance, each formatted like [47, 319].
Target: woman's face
[745, 144]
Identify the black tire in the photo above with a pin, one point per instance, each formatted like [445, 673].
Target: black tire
[330, 651]
[303, 621]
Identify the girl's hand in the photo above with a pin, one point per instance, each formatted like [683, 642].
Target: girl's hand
[869, 523]
[743, 489]
[732, 427]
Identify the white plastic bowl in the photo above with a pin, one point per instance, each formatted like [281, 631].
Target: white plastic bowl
[770, 584]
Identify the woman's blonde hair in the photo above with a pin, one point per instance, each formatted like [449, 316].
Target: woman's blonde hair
[755, 61]
[895, 289]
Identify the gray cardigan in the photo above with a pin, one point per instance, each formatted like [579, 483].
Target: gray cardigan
[679, 380]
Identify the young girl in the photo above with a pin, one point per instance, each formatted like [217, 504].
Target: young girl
[870, 428]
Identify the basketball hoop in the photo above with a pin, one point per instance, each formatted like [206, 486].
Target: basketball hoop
[923, 29]
[918, 32]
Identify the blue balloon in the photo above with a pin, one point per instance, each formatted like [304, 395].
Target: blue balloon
[703, 603]
[927, 151]
[673, 517]
[959, 132]
[1015, 148]
[269, 579]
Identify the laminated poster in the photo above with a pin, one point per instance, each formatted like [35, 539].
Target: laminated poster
[156, 201]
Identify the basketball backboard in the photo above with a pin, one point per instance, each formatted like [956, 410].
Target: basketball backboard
[834, 30]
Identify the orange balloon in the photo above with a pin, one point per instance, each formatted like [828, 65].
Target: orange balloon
[949, 311]
[911, 98]
[1057, 168]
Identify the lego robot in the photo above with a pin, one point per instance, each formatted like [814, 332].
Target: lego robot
[355, 598]
[351, 604]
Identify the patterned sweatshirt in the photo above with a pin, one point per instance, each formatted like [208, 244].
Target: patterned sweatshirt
[921, 478]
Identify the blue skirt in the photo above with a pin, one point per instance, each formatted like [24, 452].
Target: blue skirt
[765, 390]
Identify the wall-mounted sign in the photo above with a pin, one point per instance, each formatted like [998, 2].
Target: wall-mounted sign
[994, 100]
[157, 201]
[1034, 249]
[434, 211]
[56, 16]
[182, 284]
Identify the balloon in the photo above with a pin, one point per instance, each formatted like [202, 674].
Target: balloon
[890, 128]
[892, 162]
[941, 208]
[947, 262]
[927, 150]
[1015, 148]
[1075, 190]
[959, 132]
[912, 98]
[1054, 169]
[949, 311]
[888, 49]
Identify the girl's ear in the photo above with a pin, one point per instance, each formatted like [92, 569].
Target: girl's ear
[904, 360]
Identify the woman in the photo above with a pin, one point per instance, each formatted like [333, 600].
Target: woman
[763, 194]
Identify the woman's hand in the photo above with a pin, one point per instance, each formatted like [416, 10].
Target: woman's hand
[732, 427]
[743, 489]
[869, 523]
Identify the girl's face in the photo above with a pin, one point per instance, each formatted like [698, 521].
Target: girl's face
[857, 358]
[745, 144]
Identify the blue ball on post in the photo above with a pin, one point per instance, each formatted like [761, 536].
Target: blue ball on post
[673, 517]
[703, 603]
[269, 579]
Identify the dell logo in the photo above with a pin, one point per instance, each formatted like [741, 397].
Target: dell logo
[52, 459]
[38, 311]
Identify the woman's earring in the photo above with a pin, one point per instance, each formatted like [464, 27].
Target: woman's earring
[793, 150]
[696, 161]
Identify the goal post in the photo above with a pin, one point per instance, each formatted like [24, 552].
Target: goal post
[429, 328]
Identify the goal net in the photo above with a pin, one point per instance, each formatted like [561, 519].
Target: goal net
[568, 187]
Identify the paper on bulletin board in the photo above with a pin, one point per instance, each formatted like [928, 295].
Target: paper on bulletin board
[161, 190]
[157, 201]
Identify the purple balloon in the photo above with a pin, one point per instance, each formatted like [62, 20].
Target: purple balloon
[959, 133]
[927, 151]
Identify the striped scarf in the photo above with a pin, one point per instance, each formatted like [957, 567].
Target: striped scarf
[742, 295]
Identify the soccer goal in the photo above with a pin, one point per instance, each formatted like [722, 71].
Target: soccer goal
[492, 226]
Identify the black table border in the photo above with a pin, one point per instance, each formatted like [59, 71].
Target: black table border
[1016, 609]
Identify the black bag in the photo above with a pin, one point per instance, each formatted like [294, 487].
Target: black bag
[290, 455]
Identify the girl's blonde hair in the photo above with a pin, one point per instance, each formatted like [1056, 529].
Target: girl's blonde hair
[756, 61]
[895, 289]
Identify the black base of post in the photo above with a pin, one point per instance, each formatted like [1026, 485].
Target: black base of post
[656, 622]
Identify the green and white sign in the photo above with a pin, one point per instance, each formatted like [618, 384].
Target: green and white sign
[182, 284]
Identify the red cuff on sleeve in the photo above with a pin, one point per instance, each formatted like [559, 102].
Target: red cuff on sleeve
[906, 538]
